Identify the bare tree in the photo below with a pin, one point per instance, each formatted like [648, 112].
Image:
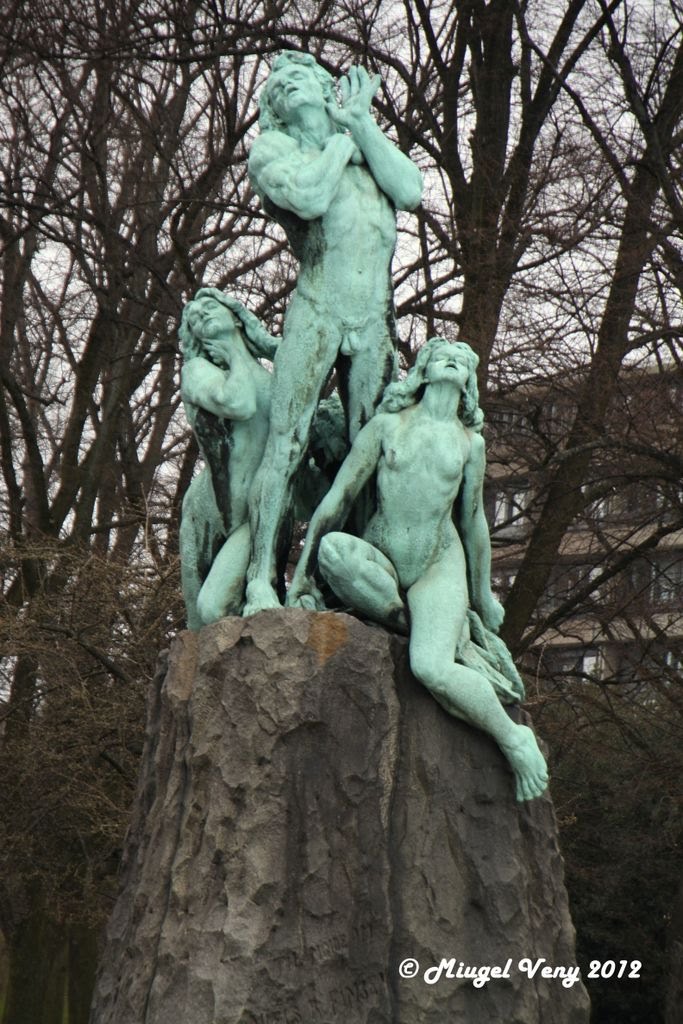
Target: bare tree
[655, 106]
[549, 136]
[123, 180]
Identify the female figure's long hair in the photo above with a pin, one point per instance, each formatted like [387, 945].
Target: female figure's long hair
[260, 343]
[403, 393]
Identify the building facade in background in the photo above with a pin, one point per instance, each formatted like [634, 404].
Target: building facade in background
[612, 612]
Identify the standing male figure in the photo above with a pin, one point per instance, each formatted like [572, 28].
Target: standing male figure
[333, 181]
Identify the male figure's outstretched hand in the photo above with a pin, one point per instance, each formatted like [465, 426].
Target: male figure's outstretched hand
[394, 172]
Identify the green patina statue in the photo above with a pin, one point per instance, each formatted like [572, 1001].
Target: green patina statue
[412, 480]
[413, 569]
[329, 176]
[226, 395]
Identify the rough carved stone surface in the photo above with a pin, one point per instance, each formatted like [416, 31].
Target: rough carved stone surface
[308, 817]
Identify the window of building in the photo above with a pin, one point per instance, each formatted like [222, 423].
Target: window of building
[628, 502]
[502, 581]
[509, 507]
[655, 663]
[667, 581]
[560, 414]
[581, 662]
[639, 577]
[609, 506]
[563, 584]
[507, 419]
[673, 659]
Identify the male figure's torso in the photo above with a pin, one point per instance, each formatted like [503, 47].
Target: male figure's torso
[345, 255]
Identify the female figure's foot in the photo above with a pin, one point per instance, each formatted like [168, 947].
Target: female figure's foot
[527, 762]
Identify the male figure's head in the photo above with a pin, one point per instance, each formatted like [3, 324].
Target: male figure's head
[296, 81]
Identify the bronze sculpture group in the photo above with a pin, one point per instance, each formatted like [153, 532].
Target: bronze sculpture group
[415, 555]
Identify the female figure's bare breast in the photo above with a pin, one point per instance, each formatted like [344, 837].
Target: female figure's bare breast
[418, 478]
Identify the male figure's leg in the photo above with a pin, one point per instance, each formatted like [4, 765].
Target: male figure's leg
[301, 368]
[362, 379]
[367, 373]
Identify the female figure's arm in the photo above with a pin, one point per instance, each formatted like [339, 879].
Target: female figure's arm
[474, 533]
[228, 393]
[334, 509]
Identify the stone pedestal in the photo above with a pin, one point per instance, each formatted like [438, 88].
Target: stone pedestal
[308, 818]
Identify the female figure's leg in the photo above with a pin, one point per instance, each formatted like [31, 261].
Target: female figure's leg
[362, 578]
[222, 592]
[201, 529]
[438, 607]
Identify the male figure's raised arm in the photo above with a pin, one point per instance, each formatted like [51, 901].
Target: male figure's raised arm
[335, 507]
[303, 183]
[474, 533]
[394, 172]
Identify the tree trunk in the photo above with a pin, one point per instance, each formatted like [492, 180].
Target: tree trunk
[82, 968]
[564, 498]
[37, 970]
[674, 957]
